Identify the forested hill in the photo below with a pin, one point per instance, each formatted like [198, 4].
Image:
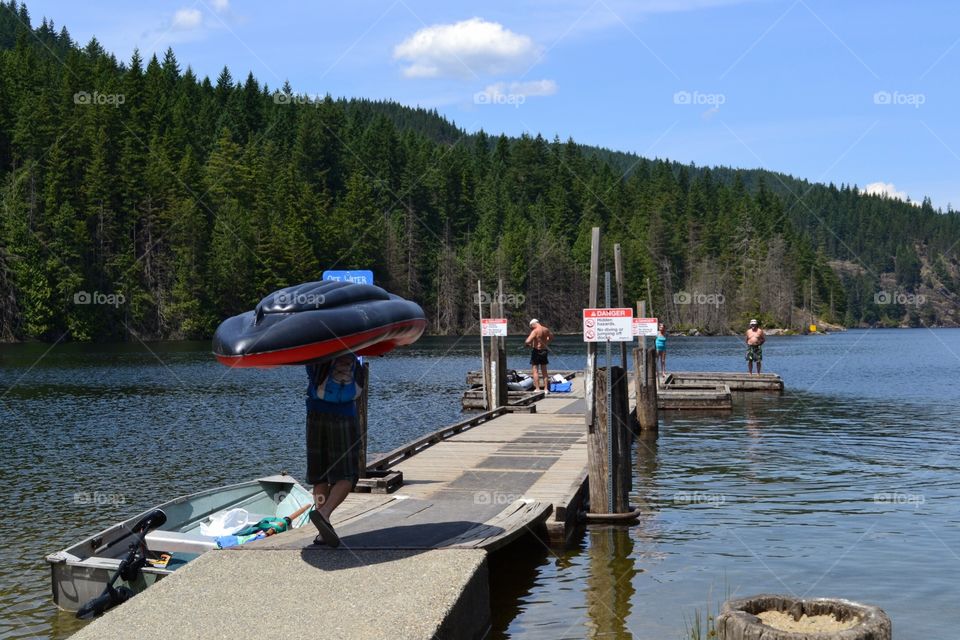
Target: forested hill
[141, 200]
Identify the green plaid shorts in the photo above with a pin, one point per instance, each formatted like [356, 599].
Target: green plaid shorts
[754, 353]
[333, 448]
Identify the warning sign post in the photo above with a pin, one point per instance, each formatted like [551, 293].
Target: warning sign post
[645, 326]
[603, 325]
[493, 327]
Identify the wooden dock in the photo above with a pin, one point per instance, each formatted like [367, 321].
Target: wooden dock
[411, 561]
[694, 397]
[710, 390]
[473, 398]
[736, 381]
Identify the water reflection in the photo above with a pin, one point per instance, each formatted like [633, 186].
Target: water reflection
[610, 587]
[645, 473]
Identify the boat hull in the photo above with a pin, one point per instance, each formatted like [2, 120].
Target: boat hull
[81, 572]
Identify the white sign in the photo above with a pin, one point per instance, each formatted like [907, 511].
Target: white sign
[601, 325]
[645, 326]
[493, 327]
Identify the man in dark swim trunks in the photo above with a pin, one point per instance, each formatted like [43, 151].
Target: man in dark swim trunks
[333, 438]
[755, 339]
[539, 341]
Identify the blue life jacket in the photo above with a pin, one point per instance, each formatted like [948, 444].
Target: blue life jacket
[325, 394]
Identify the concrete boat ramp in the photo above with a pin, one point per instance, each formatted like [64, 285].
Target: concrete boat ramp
[412, 564]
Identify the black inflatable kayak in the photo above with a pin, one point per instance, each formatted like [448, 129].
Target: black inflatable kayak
[317, 321]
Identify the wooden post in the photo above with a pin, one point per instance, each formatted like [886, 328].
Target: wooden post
[645, 383]
[591, 372]
[597, 448]
[649, 295]
[650, 420]
[497, 362]
[501, 361]
[618, 274]
[484, 363]
[595, 389]
[598, 443]
[642, 312]
[623, 480]
[488, 395]
[362, 419]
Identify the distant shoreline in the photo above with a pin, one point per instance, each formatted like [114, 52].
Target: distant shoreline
[566, 334]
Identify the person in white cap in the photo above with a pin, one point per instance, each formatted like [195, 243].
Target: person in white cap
[539, 341]
[755, 339]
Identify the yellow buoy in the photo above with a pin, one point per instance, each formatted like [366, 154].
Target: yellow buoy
[813, 328]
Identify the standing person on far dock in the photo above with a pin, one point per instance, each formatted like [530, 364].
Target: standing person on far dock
[662, 347]
[333, 438]
[538, 341]
[755, 339]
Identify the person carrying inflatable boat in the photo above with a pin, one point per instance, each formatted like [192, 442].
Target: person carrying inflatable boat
[333, 438]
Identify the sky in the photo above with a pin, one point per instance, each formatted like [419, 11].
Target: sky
[843, 91]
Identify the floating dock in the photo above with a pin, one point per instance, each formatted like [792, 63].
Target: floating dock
[690, 397]
[473, 398]
[710, 390]
[412, 563]
[735, 381]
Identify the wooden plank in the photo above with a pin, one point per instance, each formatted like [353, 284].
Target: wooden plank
[715, 397]
[519, 518]
[736, 381]
[393, 457]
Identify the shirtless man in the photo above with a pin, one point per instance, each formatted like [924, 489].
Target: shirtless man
[755, 339]
[538, 341]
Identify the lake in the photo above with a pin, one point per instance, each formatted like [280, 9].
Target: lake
[846, 485]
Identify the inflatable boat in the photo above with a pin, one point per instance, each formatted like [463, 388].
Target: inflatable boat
[519, 382]
[318, 321]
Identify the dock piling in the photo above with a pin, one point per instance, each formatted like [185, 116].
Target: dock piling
[609, 446]
[496, 363]
[607, 414]
[645, 381]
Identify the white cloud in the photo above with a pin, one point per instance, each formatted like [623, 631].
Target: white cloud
[526, 89]
[885, 189]
[220, 5]
[466, 48]
[187, 19]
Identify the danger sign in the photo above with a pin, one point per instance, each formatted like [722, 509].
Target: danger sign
[493, 327]
[602, 325]
[645, 326]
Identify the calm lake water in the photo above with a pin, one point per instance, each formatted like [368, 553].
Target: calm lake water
[846, 485]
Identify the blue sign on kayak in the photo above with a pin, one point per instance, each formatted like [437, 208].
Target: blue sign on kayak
[357, 277]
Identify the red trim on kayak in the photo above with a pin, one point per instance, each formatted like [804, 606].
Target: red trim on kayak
[364, 343]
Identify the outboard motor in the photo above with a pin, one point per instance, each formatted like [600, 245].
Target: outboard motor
[129, 569]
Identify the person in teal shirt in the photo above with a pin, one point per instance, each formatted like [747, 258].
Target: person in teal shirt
[662, 347]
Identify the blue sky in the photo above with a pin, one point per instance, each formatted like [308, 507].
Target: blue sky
[860, 92]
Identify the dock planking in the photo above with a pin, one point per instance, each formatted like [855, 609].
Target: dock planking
[694, 397]
[467, 489]
[740, 381]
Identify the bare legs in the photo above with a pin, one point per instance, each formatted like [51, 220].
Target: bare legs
[662, 355]
[327, 498]
[540, 372]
